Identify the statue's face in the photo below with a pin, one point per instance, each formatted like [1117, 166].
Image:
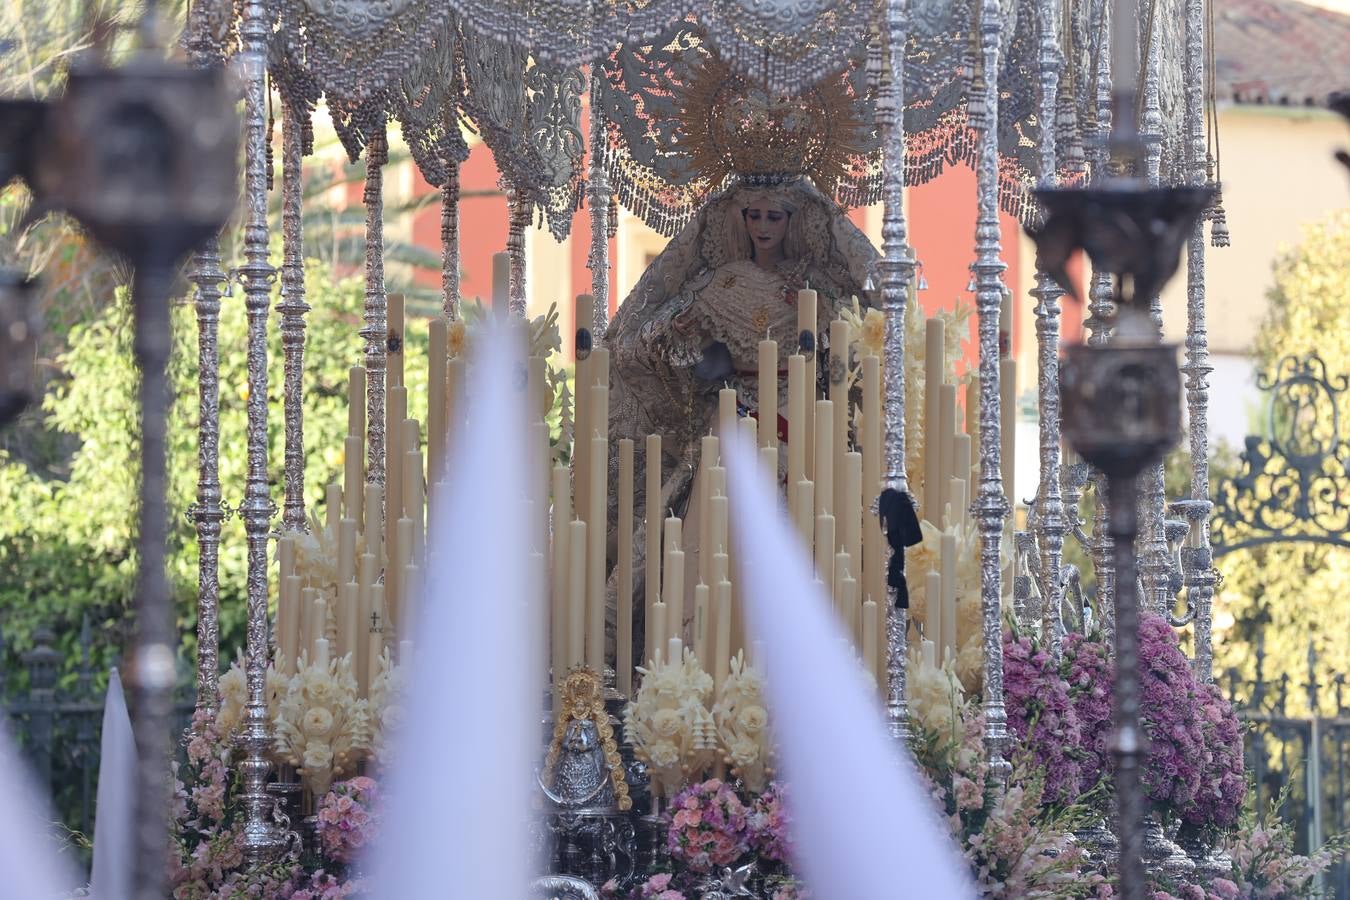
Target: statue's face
[767, 225]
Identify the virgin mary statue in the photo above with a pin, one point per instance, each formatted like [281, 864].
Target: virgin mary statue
[693, 324]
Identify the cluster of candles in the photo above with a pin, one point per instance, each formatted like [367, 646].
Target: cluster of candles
[833, 476]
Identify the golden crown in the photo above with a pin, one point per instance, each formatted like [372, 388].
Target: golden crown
[731, 125]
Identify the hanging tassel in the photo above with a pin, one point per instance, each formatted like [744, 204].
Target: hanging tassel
[1218, 220]
[901, 524]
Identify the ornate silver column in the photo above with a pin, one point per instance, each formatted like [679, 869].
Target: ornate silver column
[990, 506]
[450, 241]
[257, 275]
[376, 329]
[1101, 309]
[292, 309]
[1153, 556]
[598, 196]
[207, 513]
[1052, 525]
[897, 270]
[518, 211]
[1197, 557]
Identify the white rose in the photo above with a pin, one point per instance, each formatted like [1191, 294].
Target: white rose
[318, 757]
[317, 721]
[666, 722]
[664, 754]
[753, 719]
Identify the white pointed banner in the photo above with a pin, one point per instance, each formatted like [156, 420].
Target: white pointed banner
[29, 858]
[114, 814]
[459, 793]
[862, 826]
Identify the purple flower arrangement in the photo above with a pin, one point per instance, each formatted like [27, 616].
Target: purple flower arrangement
[348, 818]
[1169, 708]
[1090, 675]
[709, 826]
[1223, 780]
[1042, 714]
[770, 836]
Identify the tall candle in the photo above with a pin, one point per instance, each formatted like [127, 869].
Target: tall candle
[825, 550]
[824, 455]
[581, 414]
[961, 457]
[285, 558]
[807, 345]
[623, 663]
[726, 413]
[838, 382]
[717, 530]
[973, 406]
[748, 428]
[874, 560]
[346, 551]
[948, 563]
[720, 665]
[848, 601]
[318, 621]
[707, 458]
[366, 573]
[438, 360]
[839, 571]
[576, 595]
[595, 556]
[414, 493]
[870, 642]
[375, 629]
[353, 452]
[562, 518]
[372, 536]
[929, 652]
[396, 597]
[702, 610]
[501, 284]
[946, 443]
[288, 625]
[960, 508]
[356, 401]
[321, 653]
[652, 550]
[395, 412]
[806, 520]
[396, 343]
[796, 424]
[932, 609]
[768, 393]
[850, 513]
[1007, 383]
[349, 618]
[454, 389]
[673, 588]
[934, 366]
[660, 618]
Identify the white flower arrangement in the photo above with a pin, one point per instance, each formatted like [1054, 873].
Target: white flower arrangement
[316, 555]
[321, 723]
[384, 708]
[668, 722]
[743, 725]
[233, 690]
[936, 698]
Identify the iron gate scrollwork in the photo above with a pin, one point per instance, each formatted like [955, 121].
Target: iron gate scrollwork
[1294, 483]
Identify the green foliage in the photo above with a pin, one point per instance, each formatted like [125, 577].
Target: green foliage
[1294, 594]
[67, 543]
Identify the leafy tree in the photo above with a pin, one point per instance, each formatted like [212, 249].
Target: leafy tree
[67, 543]
[1295, 593]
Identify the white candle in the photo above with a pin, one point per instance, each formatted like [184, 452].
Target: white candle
[673, 593]
[874, 559]
[623, 664]
[851, 510]
[675, 650]
[659, 621]
[932, 609]
[396, 343]
[721, 648]
[346, 551]
[349, 603]
[562, 516]
[796, 434]
[825, 550]
[726, 413]
[375, 628]
[652, 511]
[321, 653]
[806, 520]
[934, 365]
[946, 444]
[501, 284]
[973, 406]
[808, 345]
[824, 457]
[960, 509]
[949, 636]
[1007, 374]
[595, 557]
[356, 401]
[870, 631]
[317, 622]
[438, 358]
[768, 393]
[707, 458]
[576, 599]
[702, 610]
[961, 457]
[840, 572]
[929, 654]
[353, 451]
[839, 335]
[372, 535]
[849, 603]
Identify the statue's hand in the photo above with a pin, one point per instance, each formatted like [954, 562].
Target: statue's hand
[715, 365]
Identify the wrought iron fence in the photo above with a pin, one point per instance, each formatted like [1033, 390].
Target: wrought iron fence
[1299, 760]
[59, 729]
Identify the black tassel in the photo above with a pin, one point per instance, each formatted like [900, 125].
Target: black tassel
[901, 525]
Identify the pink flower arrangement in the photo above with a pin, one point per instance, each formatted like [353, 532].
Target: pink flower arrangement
[1169, 704]
[1223, 782]
[1041, 714]
[708, 826]
[769, 821]
[348, 818]
[657, 887]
